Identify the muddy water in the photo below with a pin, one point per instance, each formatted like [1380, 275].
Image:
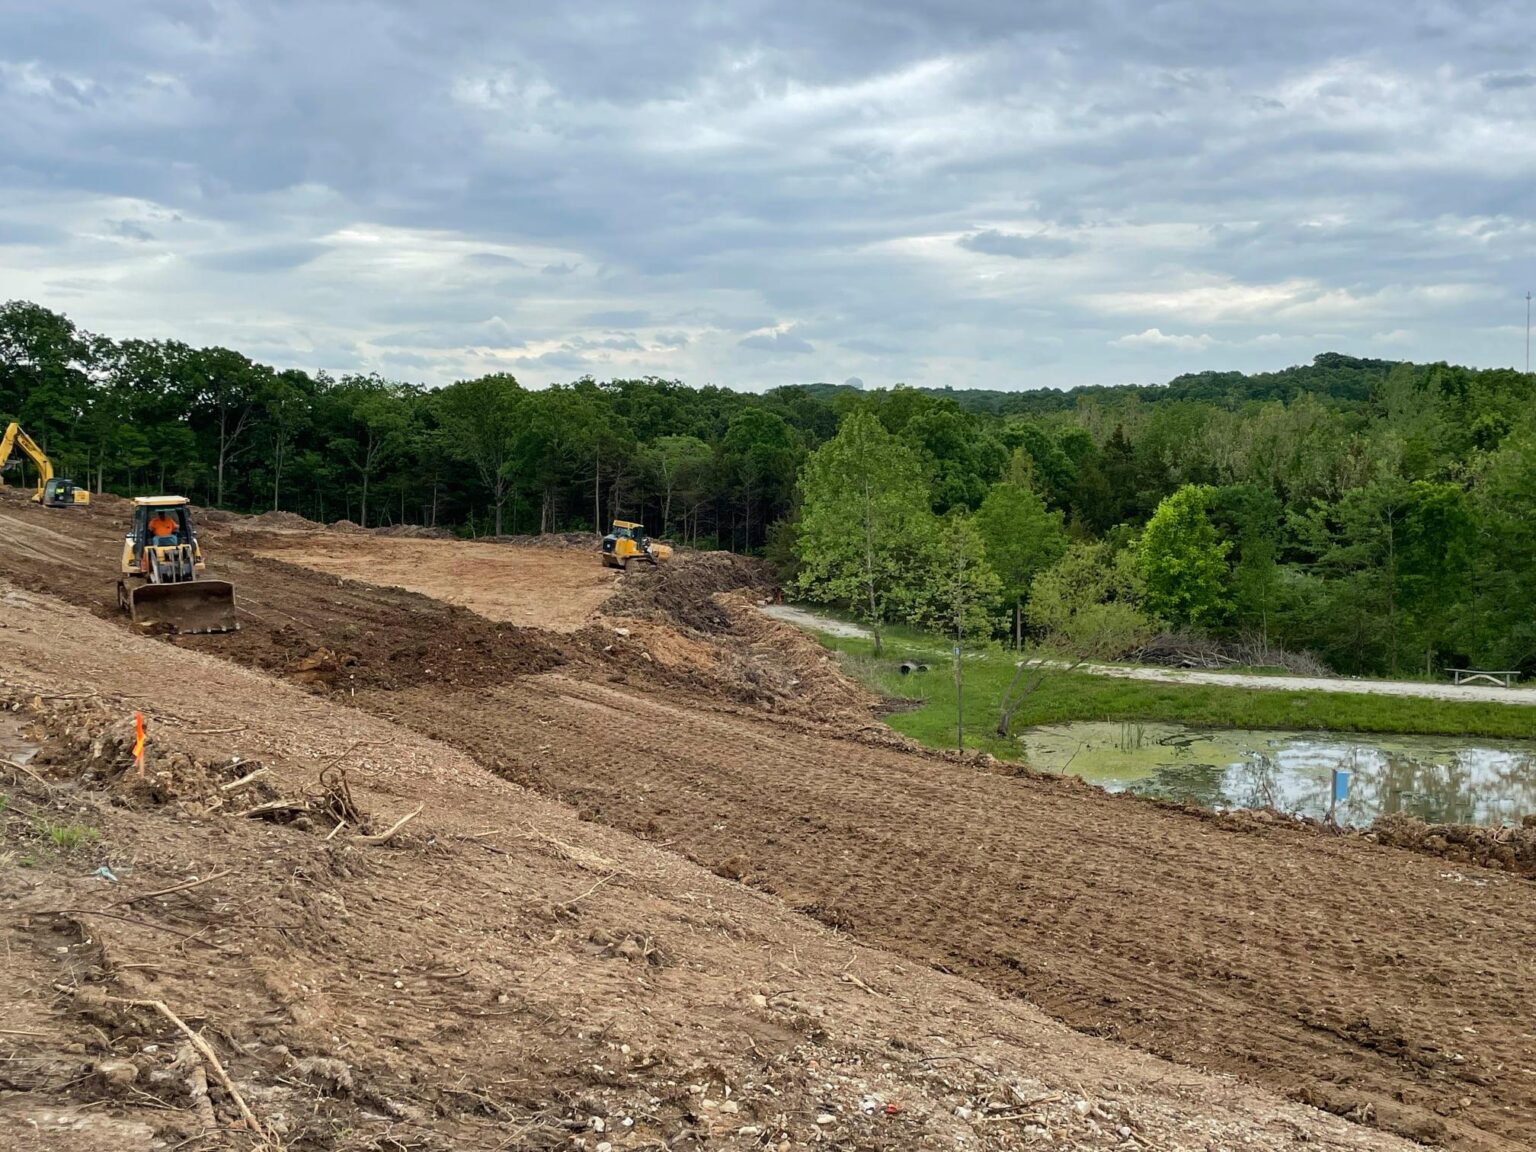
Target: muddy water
[12, 745]
[1438, 779]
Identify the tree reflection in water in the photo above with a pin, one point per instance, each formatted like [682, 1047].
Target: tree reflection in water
[1440, 780]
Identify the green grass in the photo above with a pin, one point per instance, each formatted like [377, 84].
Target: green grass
[1066, 696]
[67, 837]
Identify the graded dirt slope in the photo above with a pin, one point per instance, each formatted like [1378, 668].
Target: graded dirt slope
[554, 588]
[498, 976]
[1376, 983]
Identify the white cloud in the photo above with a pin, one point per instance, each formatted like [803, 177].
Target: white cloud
[1157, 338]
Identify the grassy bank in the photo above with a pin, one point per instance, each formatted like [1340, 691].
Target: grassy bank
[1065, 696]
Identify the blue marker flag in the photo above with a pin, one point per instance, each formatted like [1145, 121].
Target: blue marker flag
[1340, 786]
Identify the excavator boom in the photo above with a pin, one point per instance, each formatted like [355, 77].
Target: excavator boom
[15, 438]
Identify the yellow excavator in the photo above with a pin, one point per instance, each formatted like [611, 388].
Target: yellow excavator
[627, 542]
[52, 491]
[161, 585]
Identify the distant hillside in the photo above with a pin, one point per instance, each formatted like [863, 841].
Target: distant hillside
[1332, 375]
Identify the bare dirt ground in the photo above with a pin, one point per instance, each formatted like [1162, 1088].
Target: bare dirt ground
[537, 587]
[1369, 981]
[501, 975]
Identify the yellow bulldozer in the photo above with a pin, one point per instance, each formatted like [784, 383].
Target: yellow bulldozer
[628, 541]
[161, 585]
[52, 491]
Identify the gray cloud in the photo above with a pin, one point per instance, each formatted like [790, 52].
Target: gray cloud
[777, 342]
[711, 202]
[993, 242]
[260, 258]
[131, 230]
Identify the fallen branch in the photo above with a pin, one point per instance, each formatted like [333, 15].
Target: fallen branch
[193, 883]
[274, 806]
[388, 834]
[197, 1089]
[210, 1058]
[22, 768]
[215, 731]
[244, 781]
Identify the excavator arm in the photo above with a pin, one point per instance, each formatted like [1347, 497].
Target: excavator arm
[15, 438]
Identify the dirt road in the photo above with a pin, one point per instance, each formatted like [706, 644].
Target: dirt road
[1384, 985]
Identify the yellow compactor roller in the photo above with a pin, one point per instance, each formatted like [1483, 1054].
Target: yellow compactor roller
[161, 585]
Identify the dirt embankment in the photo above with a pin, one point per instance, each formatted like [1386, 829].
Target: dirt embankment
[497, 975]
[1371, 982]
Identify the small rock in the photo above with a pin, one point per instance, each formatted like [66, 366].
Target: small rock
[730, 1106]
[604, 1146]
[621, 631]
[1082, 1107]
[825, 1118]
[117, 1074]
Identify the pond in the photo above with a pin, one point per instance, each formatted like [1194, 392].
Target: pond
[1439, 779]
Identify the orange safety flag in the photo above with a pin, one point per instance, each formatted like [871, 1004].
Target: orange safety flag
[138, 739]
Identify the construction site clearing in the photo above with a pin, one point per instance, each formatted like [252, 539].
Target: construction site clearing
[480, 845]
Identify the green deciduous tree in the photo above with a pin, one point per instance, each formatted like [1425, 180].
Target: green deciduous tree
[1022, 536]
[1183, 562]
[863, 522]
[959, 596]
[482, 419]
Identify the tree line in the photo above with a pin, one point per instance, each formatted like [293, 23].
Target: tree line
[1379, 514]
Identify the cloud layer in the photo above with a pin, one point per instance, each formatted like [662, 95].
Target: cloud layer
[977, 193]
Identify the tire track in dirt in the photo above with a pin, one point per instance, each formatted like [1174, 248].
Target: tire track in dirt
[1365, 981]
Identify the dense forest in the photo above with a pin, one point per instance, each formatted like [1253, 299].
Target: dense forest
[1379, 514]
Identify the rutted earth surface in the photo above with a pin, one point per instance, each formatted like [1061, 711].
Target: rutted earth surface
[912, 910]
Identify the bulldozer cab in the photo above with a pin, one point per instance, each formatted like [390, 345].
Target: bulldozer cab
[161, 525]
[61, 493]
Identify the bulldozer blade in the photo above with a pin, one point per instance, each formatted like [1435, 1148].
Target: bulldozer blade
[193, 606]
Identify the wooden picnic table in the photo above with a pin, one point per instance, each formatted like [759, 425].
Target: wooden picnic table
[1468, 675]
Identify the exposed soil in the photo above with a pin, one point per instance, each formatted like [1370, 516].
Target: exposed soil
[538, 588]
[1369, 981]
[500, 975]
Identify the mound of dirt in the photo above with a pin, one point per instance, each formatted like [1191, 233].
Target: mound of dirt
[414, 532]
[583, 540]
[289, 520]
[689, 623]
[1506, 849]
[682, 591]
[346, 526]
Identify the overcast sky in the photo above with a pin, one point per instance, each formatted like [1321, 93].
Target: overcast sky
[984, 193]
